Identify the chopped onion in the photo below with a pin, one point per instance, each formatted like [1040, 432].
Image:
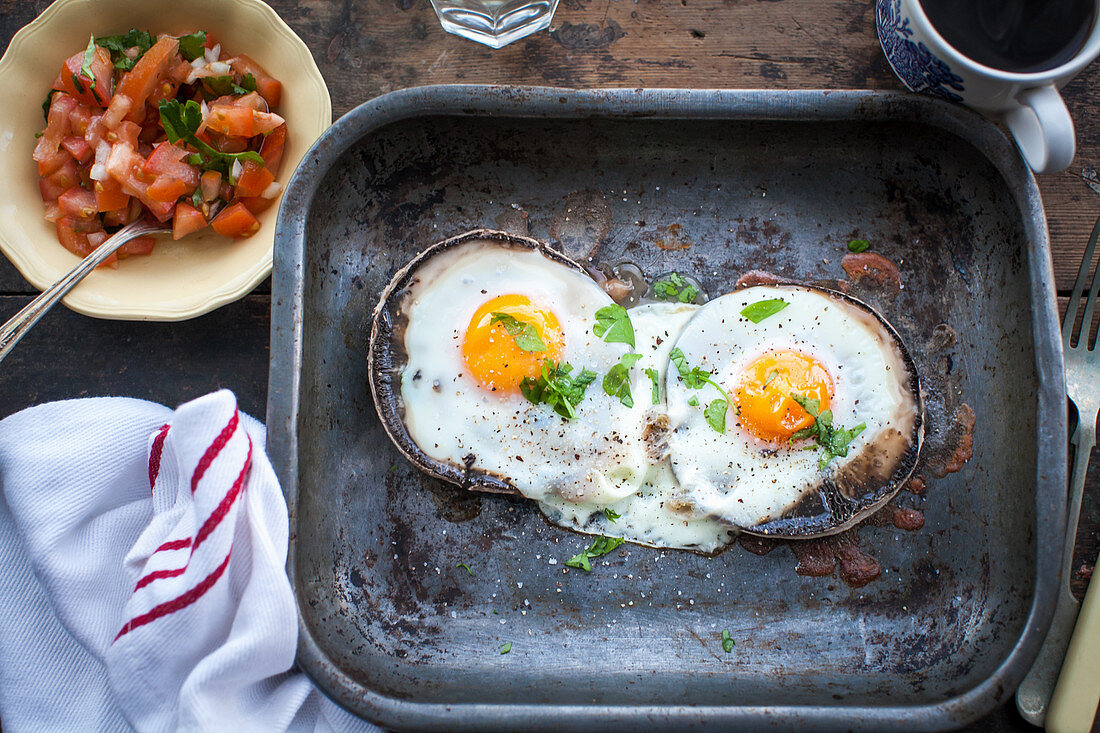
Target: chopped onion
[199, 62]
[98, 172]
[213, 54]
[97, 238]
[237, 170]
[210, 182]
[272, 190]
[99, 168]
[220, 68]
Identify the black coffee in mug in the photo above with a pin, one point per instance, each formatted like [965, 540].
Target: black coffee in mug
[1022, 36]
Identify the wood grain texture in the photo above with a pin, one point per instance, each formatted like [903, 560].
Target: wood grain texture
[368, 47]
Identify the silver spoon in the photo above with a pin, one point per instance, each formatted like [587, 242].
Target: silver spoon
[18, 325]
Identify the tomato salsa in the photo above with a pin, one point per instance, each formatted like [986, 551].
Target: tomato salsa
[172, 128]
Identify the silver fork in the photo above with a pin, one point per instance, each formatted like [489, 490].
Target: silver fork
[1083, 388]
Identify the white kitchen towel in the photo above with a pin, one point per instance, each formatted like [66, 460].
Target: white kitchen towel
[143, 584]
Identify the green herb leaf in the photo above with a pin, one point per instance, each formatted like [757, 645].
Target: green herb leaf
[727, 641]
[694, 401]
[465, 567]
[756, 312]
[613, 324]
[834, 441]
[771, 376]
[617, 380]
[507, 647]
[77, 84]
[675, 287]
[599, 547]
[46, 104]
[193, 45]
[858, 245]
[525, 335]
[196, 198]
[181, 122]
[118, 45]
[653, 377]
[248, 84]
[86, 65]
[611, 514]
[716, 415]
[557, 388]
[220, 86]
[695, 377]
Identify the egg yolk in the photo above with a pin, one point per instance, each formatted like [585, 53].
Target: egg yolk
[764, 393]
[491, 352]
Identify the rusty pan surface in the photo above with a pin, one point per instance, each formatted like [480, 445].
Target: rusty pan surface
[712, 183]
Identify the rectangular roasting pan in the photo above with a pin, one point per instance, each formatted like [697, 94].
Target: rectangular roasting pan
[713, 183]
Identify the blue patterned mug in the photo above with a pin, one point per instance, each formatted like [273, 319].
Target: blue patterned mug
[1028, 103]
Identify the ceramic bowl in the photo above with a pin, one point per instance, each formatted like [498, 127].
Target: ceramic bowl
[202, 271]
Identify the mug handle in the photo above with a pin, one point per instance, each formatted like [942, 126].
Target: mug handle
[1043, 129]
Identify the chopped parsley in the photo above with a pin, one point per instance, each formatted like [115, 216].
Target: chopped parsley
[833, 440]
[525, 334]
[613, 324]
[465, 567]
[611, 514]
[694, 401]
[652, 374]
[756, 312]
[506, 647]
[697, 378]
[675, 287]
[599, 547]
[193, 45]
[46, 104]
[859, 245]
[221, 86]
[86, 69]
[558, 388]
[716, 414]
[118, 45]
[617, 380]
[727, 641]
[181, 122]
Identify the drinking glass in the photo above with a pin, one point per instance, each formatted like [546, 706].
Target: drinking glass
[495, 23]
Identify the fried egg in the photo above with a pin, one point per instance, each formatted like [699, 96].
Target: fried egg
[461, 387]
[813, 359]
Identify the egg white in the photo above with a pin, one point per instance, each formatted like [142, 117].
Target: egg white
[598, 457]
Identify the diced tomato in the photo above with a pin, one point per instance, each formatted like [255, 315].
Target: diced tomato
[126, 132]
[187, 219]
[167, 188]
[120, 106]
[235, 221]
[109, 196]
[256, 204]
[140, 81]
[230, 120]
[53, 161]
[61, 180]
[78, 203]
[93, 91]
[179, 72]
[78, 148]
[167, 159]
[128, 168]
[211, 182]
[254, 180]
[252, 100]
[136, 246]
[79, 119]
[272, 148]
[268, 87]
[73, 234]
[58, 127]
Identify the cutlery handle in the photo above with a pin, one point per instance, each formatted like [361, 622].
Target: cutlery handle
[1033, 695]
[18, 325]
[1073, 706]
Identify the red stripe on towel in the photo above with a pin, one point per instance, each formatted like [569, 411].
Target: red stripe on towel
[179, 603]
[226, 503]
[174, 545]
[155, 452]
[214, 449]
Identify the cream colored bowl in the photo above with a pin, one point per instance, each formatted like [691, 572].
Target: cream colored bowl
[180, 279]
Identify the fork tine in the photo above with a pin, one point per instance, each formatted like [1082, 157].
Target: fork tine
[1090, 309]
[1079, 288]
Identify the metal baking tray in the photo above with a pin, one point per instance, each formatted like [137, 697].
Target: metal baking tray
[713, 183]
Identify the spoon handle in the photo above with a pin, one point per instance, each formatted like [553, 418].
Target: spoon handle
[18, 325]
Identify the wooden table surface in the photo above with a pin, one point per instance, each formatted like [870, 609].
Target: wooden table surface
[367, 47]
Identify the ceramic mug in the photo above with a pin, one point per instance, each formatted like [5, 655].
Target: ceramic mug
[1028, 103]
